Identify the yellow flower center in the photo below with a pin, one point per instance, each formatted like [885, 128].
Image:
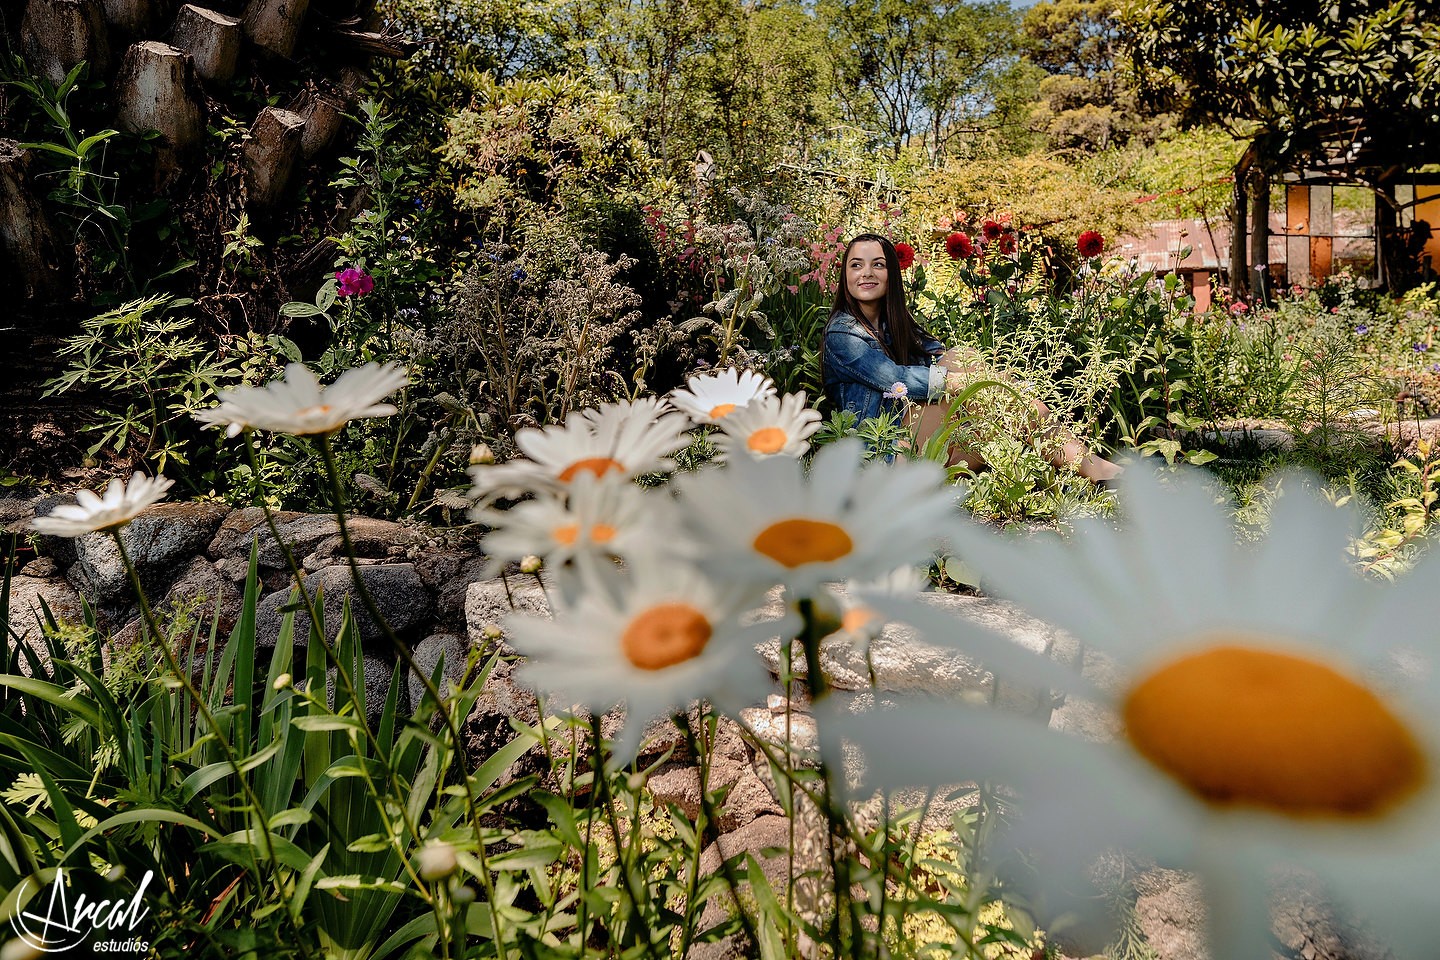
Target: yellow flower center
[602, 533]
[720, 410]
[320, 410]
[767, 440]
[792, 543]
[664, 635]
[566, 535]
[1243, 726]
[596, 465]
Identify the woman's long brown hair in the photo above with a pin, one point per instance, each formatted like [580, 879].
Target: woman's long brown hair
[905, 345]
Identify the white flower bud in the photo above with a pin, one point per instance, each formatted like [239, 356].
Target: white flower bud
[481, 454]
[436, 861]
[282, 681]
[531, 564]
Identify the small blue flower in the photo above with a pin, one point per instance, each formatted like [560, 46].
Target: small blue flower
[1435, 368]
[518, 274]
[1361, 330]
[1419, 348]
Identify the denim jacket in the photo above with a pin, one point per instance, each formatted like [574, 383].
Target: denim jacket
[858, 371]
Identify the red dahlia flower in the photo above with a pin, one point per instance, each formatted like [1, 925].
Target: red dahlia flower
[1090, 244]
[991, 229]
[1007, 243]
[959, 247]
[905, 254]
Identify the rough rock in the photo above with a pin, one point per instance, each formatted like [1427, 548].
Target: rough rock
[157, 539]
[488, 603]
[201, 581]
[370, 539]
[427, 653]
[902, 663]
[449, 574]
[1170, 910]
[25, 615]
[302, 532]
[378, 673]
[396, 588]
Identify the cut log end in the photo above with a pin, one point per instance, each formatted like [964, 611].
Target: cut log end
[211, 38]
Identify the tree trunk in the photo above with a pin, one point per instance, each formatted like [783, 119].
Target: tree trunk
[1260, 248]
[30, 262]
[156, 89]
[132, 18]
[271, 154]
[1238, 230]
[212, 40]
[1239, 222]
[274, 25]
[57, 34]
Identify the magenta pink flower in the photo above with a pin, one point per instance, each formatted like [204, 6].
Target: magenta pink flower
[1239, 307]
[353, 282]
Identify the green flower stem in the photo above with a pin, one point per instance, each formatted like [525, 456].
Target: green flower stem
[709, 816]
[834, 792]
[344, 679]
[600, 785]
[338, 496]
[204, 710]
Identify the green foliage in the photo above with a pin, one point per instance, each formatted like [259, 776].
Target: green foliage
[1288, 71]
[155, 372]
[86, 167]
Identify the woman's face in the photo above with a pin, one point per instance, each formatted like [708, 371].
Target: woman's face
[866, 276]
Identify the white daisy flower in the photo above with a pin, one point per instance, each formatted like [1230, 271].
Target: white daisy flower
[298, 405]
[92, 513]
[763, 521]
[602, 516]
[709, 398]
[1271, 712]
[658, 636]
[773, 427]
[624, 440]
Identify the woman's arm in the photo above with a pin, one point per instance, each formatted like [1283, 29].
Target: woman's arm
[854, 358]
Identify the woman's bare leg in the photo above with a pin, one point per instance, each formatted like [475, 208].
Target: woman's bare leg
[1070, 453]
[927, 419]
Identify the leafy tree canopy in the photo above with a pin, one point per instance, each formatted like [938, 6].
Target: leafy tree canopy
[1292, 73]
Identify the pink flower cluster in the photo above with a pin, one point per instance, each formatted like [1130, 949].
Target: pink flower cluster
[353, 282]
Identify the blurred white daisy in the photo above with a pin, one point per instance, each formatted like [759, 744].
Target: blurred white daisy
[711, 397]
[92, 513]
[657, 636]
[601, 516]
[773, 427]
[623, 440]
[764, 521]
[1273, 711]
[298, 405]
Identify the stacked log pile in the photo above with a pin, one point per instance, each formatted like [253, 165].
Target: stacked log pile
[175, 69]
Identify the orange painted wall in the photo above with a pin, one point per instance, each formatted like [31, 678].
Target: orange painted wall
[1428, 209]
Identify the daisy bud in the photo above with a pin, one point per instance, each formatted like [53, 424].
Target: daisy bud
[464, 896]
[491, 632]
[436, 861]
[636, 781]
[282, 681]
[531, 564]
[481, 454]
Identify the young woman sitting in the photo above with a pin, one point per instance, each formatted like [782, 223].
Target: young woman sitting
[873, 347]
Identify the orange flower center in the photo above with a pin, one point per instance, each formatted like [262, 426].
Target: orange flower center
[767, 440]
[793, 543]
[602, 533]
[596, 465]
[320, 409]
[566, 535]
[856, 619]
[720, 410]
[664, 635]
[1242, 726]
